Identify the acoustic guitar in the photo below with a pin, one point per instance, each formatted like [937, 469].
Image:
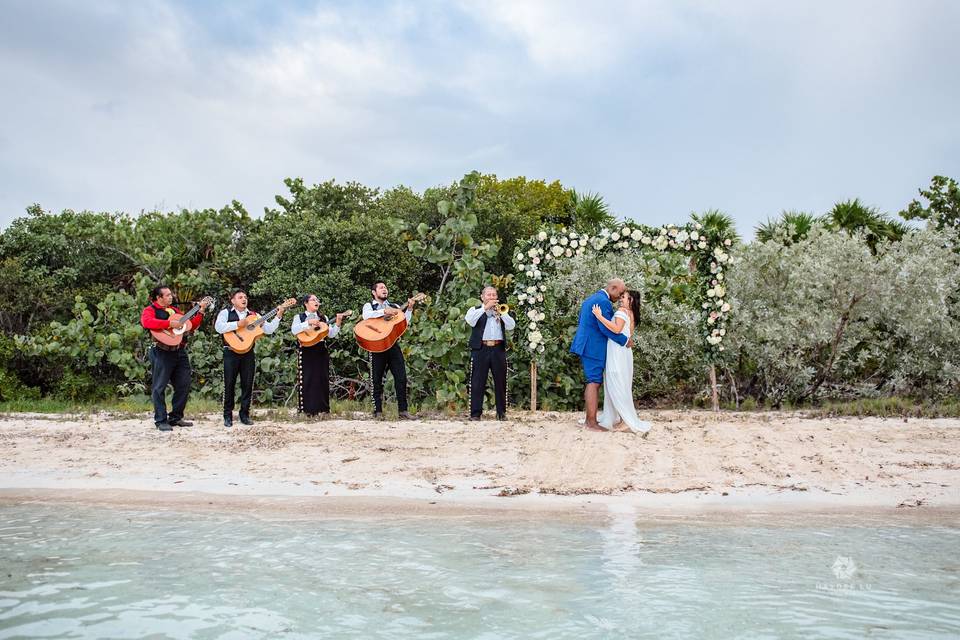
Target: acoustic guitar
[312, 336]
[173, 337]
[243, 339]
[379, 334]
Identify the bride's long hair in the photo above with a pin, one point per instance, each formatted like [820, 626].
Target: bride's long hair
[635, 299]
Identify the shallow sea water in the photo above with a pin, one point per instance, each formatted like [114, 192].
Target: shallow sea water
[96, 572]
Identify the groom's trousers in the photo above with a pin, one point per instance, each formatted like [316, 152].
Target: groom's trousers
[484, 360]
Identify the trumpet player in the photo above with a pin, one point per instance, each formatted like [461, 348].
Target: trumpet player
[490, 321]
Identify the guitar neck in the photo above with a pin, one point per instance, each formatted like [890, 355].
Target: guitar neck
[265, 318]
[191, 313]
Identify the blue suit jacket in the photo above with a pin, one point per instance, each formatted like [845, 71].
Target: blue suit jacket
[591, 338]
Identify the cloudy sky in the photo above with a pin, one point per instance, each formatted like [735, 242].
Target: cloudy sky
[663, 107]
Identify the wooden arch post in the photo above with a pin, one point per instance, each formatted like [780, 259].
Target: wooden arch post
[533, 385]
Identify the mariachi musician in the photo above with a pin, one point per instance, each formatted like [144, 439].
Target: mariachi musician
[244, 364]
[488, 352]
[392, 358]
[171, 363]
[313, 362]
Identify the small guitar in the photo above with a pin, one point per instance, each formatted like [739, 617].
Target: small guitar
[379, 334]
[243, 339]
[173, 337]
[312, 335]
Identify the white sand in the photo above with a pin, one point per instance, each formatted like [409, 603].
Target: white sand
[692, 461]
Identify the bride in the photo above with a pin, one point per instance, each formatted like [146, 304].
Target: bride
[618, 372]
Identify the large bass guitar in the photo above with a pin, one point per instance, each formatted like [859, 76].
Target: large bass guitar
[379, 334]
[312, 335]
[250, 329]
[173, 337]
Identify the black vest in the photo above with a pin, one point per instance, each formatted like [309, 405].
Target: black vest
[476, 336]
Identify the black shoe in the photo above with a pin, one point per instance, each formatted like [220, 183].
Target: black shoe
[164, 426]
[246, 420]
[501, 416]
[181, 423]
[228, 421]
[475, 418]
[405, 415]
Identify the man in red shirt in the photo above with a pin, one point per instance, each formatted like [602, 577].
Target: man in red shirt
[170, 364]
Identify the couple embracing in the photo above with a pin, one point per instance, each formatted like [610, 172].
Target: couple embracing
[603, 342]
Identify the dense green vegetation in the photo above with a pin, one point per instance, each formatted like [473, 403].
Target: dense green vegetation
[850, 303]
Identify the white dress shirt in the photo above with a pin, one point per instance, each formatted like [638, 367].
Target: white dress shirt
[222, 326]
[370, 312]
[492, 330]
[300, 327]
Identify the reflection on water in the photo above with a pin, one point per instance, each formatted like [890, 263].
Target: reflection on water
[71, 572]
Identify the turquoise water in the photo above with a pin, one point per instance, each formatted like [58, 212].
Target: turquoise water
[83, 572]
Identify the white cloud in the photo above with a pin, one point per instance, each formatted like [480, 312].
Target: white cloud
[662, 107]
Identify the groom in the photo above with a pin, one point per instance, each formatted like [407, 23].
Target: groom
[590, 343]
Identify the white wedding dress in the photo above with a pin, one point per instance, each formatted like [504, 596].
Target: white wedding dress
[618, 385]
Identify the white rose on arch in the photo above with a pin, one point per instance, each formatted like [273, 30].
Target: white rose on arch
[564, 241]
[542, 236]
[615, 236]
[556, 250]
[532, 314]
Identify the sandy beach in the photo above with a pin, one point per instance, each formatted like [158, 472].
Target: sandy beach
[692, 460]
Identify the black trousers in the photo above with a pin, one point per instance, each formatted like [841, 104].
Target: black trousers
[169, 366]
[391, 359]
[483, 360]
[313, 379]
[245, 365]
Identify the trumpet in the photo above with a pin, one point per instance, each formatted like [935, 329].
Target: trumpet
[502, 309]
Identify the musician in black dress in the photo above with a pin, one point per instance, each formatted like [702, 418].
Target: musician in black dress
[392, 358]
[488, 352]
[243, 364]
[313, 362]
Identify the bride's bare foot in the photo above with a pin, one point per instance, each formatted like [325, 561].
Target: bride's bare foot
[593, 426]
[622, 428]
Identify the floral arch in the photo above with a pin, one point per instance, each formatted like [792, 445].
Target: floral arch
[707, 249]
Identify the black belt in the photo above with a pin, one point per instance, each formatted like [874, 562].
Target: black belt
[163, 347]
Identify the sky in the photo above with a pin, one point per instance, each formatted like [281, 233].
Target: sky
[662, 107]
